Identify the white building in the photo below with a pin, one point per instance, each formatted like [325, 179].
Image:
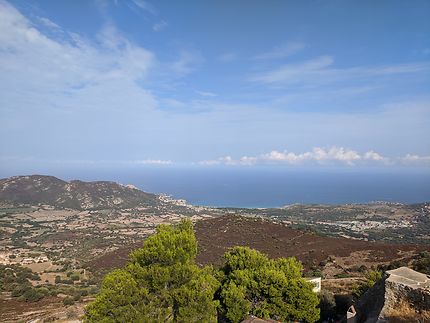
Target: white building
[316, 281]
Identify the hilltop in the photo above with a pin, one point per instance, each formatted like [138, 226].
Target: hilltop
[76, 194]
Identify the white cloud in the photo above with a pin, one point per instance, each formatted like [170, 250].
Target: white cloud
[282, 51]
[317, 155]
[42, 70]
[152, 162]
[416, 160]
[371, 155]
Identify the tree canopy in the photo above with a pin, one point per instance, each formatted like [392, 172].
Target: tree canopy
[267, 288]
[162, 283]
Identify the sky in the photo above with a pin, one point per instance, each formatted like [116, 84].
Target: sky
[214, 83]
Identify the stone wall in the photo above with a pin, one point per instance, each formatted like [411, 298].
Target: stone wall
[384, 296]
[395, 293]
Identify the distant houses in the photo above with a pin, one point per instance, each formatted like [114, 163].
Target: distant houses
[23, 258]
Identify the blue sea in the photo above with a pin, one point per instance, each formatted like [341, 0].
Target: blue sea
[271, 187]
[263, 187]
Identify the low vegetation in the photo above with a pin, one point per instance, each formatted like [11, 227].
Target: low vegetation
[16, 280]
[372, 278]
[422, 263]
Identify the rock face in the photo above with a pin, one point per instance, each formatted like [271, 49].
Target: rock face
[404, 294]
[74, 194]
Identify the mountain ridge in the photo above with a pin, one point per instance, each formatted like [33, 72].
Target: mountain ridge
[76, 194]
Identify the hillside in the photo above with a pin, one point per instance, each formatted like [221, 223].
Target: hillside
[39, 189]
[330, 255]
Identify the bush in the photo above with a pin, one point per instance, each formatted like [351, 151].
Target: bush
[19, 290]
[372, 278]
[327, 305]
[84, 292]
[68, 301]
[43, 290]
[32, 295]
[74, 277]
[422, 263]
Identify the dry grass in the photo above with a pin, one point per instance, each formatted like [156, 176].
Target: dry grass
[404, 312]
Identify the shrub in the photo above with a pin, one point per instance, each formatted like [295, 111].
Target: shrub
[68, 301]
[422, 263]
[372, 278]
[327, 305]
[74, 277]
[20, 289]
[32, 295]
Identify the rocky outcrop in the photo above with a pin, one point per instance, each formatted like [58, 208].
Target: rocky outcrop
[402, 294]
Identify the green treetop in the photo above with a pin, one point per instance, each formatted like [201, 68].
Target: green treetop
[162, 283]
[254, 284]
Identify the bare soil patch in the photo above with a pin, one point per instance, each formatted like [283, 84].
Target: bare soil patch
[111, 260]
[13, 310]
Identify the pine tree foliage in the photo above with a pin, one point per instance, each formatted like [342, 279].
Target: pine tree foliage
[255, 284]
[162, 283]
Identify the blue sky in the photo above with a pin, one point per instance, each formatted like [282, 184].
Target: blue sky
[206, 83]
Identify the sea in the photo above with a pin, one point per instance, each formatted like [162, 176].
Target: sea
[271, 187]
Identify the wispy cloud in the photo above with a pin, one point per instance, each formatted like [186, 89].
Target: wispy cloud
[72, 63]
[206, 93]
[282, 51]
[187, 62]
[158, 26]
[145, 6]
[49, 23]
[320, 71]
